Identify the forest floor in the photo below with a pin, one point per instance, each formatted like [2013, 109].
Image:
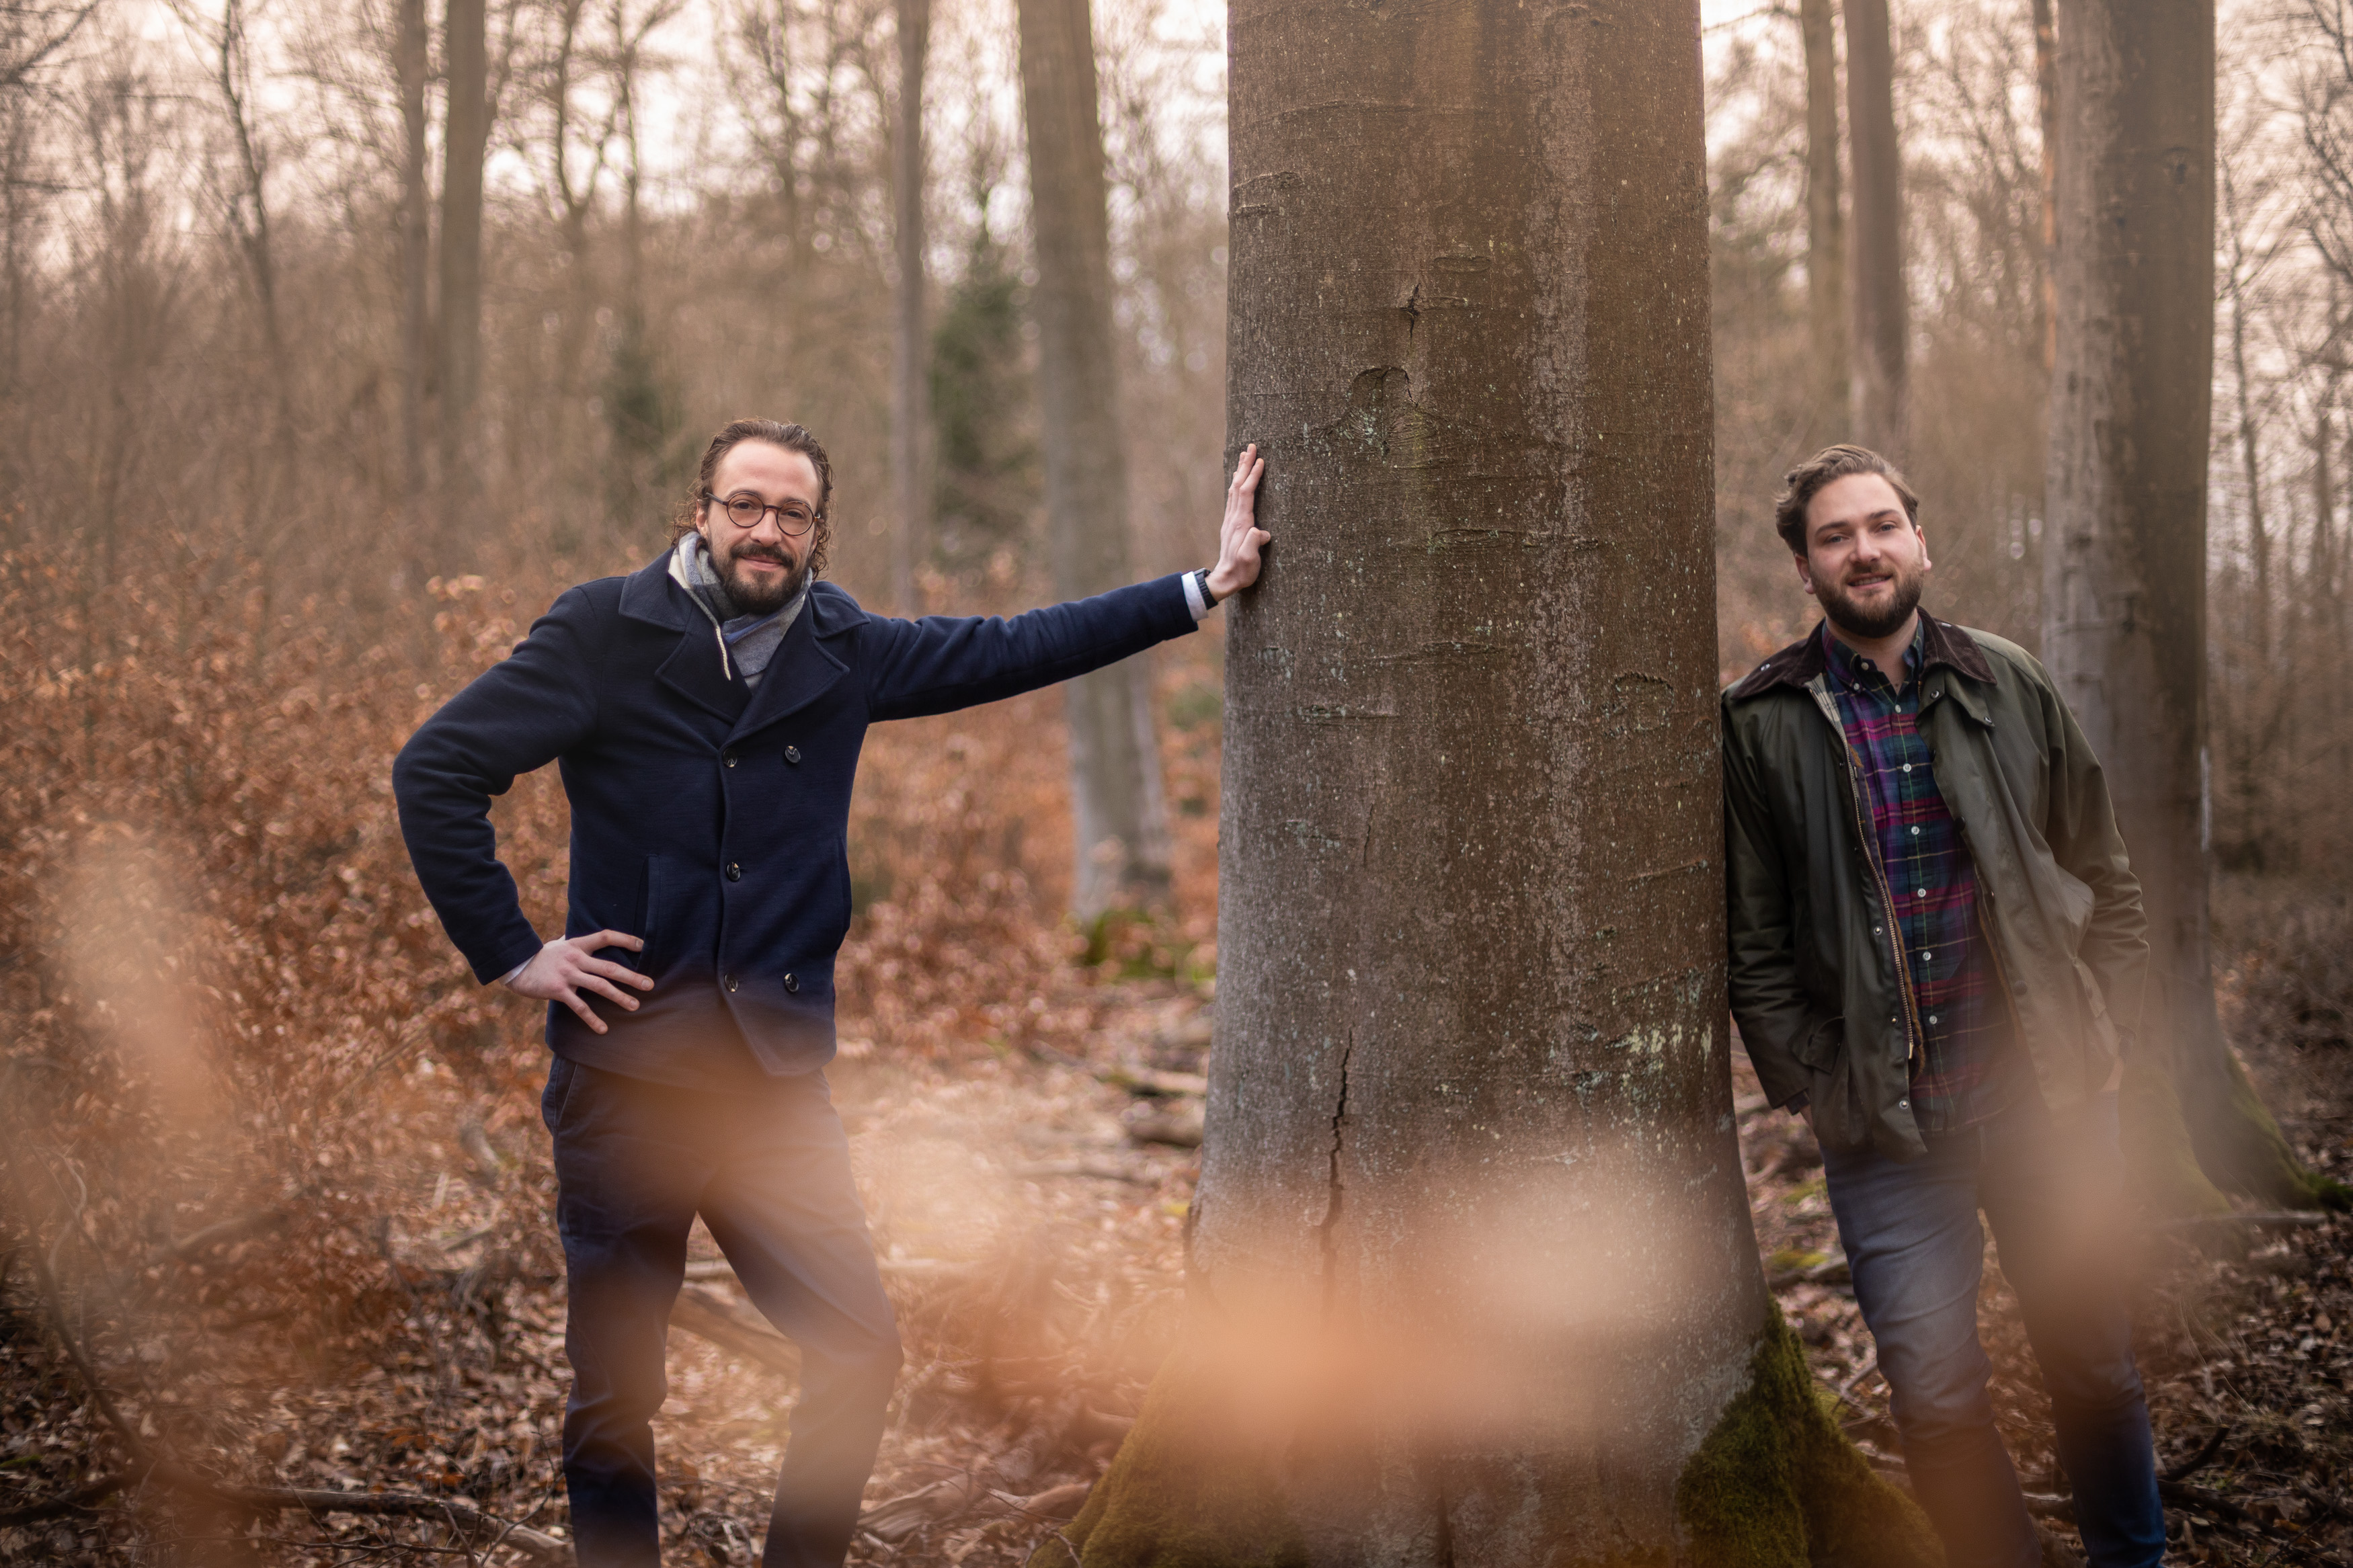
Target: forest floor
[1031, 1232]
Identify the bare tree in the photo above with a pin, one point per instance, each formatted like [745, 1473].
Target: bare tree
[1825, 225]
[1115, 787]
[2046, 104]
[1470, 1264]
[466, 135]
[2126, 609]
[910, 361]
[411, 47]
[33, 35]
[1881, 315]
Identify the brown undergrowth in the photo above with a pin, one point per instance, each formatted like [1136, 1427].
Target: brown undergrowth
[274, 1169]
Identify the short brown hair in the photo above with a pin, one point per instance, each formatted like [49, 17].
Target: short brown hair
[775, 433]
[1806, 482]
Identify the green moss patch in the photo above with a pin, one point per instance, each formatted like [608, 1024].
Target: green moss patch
[1776, 1484]
[1186, 1491]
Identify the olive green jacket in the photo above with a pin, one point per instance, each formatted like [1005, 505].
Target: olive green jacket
[1818, 988]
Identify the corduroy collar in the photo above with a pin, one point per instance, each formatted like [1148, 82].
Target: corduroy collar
[1942, 642]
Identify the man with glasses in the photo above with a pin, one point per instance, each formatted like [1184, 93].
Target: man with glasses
[707, 712]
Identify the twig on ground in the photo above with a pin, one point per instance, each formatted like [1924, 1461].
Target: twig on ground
[83, 1496]
[2201, 1458]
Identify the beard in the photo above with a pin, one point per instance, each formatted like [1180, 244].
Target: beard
[1884, 620]
[755, 597]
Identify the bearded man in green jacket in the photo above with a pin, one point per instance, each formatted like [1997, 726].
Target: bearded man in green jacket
[1937, 954]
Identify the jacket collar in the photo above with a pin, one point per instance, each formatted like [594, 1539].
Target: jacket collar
[801, 673]
[1942, 644]
[648, 594]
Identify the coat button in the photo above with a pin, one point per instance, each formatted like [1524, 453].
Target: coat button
[728, 756]
[793, 984]
[728, 981]
[792, 754]
[734, 872]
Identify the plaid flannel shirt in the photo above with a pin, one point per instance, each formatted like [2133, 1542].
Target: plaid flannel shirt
[1959, 1077]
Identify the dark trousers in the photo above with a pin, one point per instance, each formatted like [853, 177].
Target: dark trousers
[1910, 1232]
[767, 1167]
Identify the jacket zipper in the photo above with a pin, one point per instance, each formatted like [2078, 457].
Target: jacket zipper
[1870, 842]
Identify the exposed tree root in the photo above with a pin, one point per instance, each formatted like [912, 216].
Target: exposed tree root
[1776, 1485]
[2243, 1149]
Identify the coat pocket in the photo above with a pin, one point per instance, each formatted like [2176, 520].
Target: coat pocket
[652, 929]
[1835, 1101]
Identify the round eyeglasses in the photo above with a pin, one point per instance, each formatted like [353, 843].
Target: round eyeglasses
[745, 510]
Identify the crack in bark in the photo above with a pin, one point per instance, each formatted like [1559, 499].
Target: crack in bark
[1329, 1229]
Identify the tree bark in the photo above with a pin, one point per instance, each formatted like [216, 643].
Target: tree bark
[1471, 1272]
[1882, 316]
[465, 140]
[1826, 300]
[2046, 103]
[1117, 798]
[410, 57]
[911, 415]
[2125, 616]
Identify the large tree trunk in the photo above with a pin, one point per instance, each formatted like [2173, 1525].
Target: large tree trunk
[2124, 616]
[466, 139]
[1121, 818]
[1472, 1268]
[911, 415]
[409, 48]
[1881, 317]
[1825, 304]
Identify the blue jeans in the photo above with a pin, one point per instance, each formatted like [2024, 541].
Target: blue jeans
[1912, 1236]
[767, 1166]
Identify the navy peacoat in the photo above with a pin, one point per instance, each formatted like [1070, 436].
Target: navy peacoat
[709, 818]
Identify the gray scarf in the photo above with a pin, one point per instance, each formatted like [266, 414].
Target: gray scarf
[746, 643]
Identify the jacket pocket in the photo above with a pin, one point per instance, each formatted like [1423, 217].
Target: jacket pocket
[652, 929]
[1823, 1046]
[1841, 1117]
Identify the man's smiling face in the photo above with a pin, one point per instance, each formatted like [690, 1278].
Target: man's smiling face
[1864, 559]
[762, 567]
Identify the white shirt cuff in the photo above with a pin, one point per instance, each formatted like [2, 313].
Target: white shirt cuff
[1197, 600]
[507, 978]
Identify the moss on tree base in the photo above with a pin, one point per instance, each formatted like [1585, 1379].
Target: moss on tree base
[1776, 1485]
[2159, 1153]
[1180, 1495]
[2245, 1150]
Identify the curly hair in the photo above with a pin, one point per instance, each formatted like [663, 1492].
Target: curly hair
[1807, 479]
[775, 433]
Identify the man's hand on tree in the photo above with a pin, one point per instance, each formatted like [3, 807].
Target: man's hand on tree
[563, 968]
[1239, 538]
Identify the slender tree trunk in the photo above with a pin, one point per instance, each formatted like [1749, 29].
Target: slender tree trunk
[2259, 538]
[1471, 1272]
[909, 363]
[1881, 318]
[2125, 626]
[409, 48]
[1122, 824]
[1825, 299]
[465, 140]
[2046, 103]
